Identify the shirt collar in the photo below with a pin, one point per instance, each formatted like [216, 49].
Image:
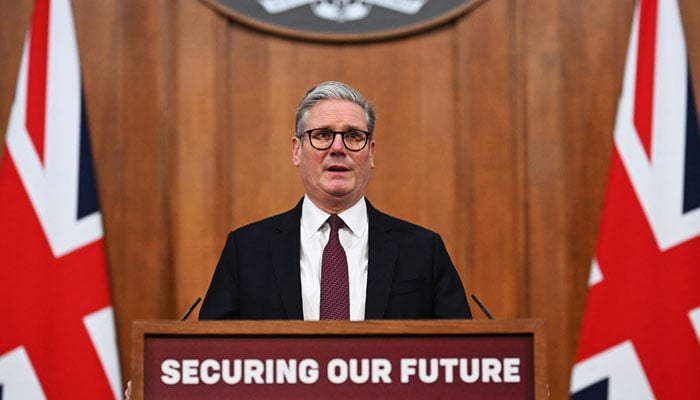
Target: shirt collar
[313, 218]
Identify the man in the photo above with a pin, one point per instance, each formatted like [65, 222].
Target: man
[390, 269]
[272, 269]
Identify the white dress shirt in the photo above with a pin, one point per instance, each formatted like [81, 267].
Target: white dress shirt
[354, 239]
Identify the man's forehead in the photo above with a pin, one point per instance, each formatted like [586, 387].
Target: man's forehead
[337, 111]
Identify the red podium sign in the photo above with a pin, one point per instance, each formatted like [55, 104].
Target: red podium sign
[442, 359]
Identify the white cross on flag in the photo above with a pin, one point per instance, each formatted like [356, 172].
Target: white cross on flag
[641, 330]
[57, 338]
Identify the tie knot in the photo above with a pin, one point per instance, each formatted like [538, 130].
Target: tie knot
[335, 222]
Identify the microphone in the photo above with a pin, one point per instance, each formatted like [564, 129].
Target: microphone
[189, 310]
[483, 307]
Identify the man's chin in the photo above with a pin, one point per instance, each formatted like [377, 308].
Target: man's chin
[338, 188]
[340, 196]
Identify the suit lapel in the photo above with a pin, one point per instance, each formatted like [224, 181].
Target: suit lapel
[383, 250]
[284, 250]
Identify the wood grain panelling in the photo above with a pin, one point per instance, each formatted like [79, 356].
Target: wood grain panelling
[494, 129]
[490, 160]
[545, 101]
[200, 168]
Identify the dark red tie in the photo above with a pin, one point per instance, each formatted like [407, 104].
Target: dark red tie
[335, 295]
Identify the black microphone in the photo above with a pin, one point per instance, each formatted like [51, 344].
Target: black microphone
[189, 310]
[483, 307]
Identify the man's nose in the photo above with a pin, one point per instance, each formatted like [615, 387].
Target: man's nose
[337, 146]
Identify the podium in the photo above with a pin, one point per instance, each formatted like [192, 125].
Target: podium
[382, 359]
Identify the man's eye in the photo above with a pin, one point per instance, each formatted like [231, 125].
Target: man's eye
[353, 135]
[323, 135]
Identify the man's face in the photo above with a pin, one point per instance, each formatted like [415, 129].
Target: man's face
[335, 178]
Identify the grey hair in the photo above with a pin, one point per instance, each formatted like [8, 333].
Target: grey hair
[332, 90]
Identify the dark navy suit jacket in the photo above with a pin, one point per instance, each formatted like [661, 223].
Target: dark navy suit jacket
[410, 275]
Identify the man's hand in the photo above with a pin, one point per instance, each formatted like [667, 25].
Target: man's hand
[127, 392]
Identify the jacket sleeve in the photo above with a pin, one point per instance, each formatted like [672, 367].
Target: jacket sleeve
[222, 300]
[449, 299]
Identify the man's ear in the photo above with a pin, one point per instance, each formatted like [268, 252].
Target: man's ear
[296, 151]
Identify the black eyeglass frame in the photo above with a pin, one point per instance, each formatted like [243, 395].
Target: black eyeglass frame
[342, 136]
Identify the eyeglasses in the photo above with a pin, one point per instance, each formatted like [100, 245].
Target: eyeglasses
[353, 139]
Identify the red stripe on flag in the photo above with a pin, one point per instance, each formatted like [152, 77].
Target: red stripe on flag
[644, 93]
[36, 88]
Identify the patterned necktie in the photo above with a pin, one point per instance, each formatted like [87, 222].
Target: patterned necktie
[335, 294]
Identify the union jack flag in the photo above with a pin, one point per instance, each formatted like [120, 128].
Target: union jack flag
[57, 338]
[641, 330]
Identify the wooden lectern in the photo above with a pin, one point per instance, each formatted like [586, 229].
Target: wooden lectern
[387, 359]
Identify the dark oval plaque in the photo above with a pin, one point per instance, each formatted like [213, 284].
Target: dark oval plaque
[343, 20]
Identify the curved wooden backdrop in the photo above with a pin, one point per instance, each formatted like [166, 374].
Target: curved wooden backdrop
[494, 130]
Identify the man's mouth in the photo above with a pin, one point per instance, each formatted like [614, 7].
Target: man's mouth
[337, 168]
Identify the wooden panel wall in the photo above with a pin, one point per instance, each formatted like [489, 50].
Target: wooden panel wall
[494, 130]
